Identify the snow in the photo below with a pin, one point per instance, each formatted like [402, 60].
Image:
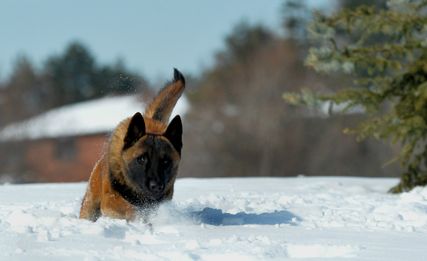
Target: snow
[302, 218]
[90, 117]
[329, 108]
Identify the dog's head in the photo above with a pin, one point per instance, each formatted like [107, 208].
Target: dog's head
[151, 160]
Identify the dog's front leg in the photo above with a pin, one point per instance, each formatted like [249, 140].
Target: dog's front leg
[114, 206]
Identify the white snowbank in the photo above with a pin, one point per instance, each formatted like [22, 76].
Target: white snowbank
[224, 219]
[94, 116]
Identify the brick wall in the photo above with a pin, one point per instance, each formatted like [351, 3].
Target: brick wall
[68, 159]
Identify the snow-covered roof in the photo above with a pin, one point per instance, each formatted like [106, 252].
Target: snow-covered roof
[89, 117]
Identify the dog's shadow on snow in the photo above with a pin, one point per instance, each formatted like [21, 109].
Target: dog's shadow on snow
[213, 216]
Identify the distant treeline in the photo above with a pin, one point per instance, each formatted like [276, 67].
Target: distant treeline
[69, 77]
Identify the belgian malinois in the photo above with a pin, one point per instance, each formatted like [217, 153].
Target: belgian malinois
[140, 163]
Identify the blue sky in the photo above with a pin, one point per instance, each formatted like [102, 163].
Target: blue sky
[150, 36]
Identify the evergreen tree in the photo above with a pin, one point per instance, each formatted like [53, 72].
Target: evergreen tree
[75, 76]
[295, 16]
[385, 51]
[117, 79]
[23, 93]
[70, 75]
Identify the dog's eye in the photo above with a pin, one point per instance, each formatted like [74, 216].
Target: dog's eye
[141, 159]
[166, 161]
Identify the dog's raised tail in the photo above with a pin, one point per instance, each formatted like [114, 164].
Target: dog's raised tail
[161, 106]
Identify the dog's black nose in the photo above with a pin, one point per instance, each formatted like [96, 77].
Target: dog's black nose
[155, 187]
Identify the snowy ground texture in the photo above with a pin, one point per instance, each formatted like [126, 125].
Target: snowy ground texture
[224, 219]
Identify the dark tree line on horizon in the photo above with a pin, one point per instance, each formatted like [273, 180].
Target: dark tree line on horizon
[70, 77]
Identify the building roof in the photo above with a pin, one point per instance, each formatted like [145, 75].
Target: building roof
[89, 117]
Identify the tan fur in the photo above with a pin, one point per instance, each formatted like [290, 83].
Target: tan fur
[171, 93]
[100, 197]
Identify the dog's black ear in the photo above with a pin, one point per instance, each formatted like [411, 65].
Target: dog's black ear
[174, 133]
[135, 130]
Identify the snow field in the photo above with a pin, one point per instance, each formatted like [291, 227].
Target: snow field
[224, 219]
